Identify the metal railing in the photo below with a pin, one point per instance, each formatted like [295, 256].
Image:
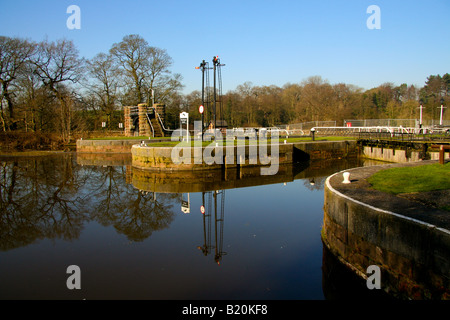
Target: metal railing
[162, 124]
[151, 126]
[385, 132]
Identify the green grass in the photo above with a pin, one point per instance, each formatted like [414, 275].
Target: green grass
[412, 179]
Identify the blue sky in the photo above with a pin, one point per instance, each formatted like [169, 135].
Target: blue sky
[264, 42]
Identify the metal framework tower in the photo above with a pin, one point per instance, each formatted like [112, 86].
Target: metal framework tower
[206, 95]
[215, 112]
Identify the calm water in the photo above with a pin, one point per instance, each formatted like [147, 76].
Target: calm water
[258, 241]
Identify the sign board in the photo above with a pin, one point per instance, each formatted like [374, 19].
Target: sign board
[202, 209]
[184, 120]
[184, 115]
[201, 109]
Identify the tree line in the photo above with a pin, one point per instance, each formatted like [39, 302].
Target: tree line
[315, 99]
[48, 87]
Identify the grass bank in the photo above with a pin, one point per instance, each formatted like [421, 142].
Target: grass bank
[412, 179]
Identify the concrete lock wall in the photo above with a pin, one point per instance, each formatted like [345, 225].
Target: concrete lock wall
[319, 150]
[414, 257]
[105, 146]
[160, 158]
[396, 155]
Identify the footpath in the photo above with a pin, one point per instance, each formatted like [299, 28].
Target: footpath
[422, 206]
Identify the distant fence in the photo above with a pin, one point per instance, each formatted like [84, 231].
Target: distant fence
[304, 128]
[409, 123]
[389, 133]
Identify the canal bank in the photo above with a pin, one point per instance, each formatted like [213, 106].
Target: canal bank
[408, 239]
[401, 151]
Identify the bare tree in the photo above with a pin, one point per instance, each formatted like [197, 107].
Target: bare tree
[15, 53]
[145, 69]
[133, 56]
[104, 84]
[57, 64]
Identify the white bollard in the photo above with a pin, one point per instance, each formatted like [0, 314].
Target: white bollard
[346, 177]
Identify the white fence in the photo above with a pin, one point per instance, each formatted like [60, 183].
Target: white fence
[410, 123]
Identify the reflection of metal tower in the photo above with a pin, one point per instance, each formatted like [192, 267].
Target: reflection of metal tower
[206, 223]
[218, 224]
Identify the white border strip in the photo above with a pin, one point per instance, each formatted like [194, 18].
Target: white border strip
[327, 182]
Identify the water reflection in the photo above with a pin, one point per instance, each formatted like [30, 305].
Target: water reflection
[259, 229]
[52, 198]
[39, 202]
[219, 215]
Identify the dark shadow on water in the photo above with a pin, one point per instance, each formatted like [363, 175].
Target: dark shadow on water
[341, 283]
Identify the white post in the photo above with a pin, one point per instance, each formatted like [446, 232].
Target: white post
[442, 114]
[420, 121]
[184, 116]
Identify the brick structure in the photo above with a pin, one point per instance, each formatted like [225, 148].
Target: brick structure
[128, 121]
[137, 121]
[144, 126]
[161, 111]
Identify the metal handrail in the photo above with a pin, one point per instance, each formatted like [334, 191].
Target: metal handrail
[162, 124]
[150, 122]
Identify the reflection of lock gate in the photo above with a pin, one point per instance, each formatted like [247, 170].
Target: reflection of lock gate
[218, 224]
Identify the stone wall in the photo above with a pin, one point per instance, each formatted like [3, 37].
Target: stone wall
[319, 150]
[398, 155]
[414, 257]
[165, 158]
[106, 146]
[144, 126]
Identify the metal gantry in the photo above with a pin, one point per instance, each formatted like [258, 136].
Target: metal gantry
[212, 102]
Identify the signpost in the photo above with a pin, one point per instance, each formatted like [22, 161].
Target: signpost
[201, 109]
[184, 119]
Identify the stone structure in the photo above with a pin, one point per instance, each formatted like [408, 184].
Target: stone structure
[160, 158]
[142, 120]
[408, 241]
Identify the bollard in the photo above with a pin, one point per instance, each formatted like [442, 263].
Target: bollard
[441, 154]
[346, 177]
